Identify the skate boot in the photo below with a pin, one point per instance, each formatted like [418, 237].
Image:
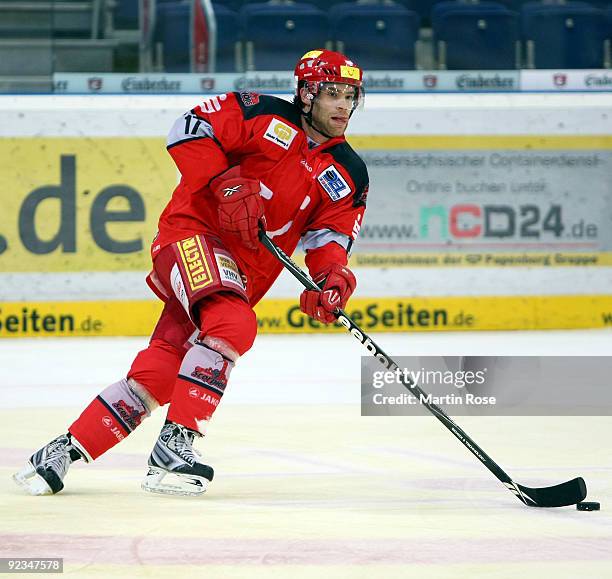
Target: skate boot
[45, 471]
[173, 466]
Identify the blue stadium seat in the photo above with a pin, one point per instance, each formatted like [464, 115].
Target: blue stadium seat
[229, 36]
[441, 8]
[323, 5]
[472, 39]
[276, 34]
[125, 14]
[608, 41]
[531, 5]
[422, 7]
[234, 5]
[172, 24]
[376, 36]
[569, 35]
[601, 4]
[447, 6]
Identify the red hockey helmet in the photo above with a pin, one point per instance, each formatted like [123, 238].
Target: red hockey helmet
[319, 67]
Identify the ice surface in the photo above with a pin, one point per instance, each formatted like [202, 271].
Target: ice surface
[305, 486]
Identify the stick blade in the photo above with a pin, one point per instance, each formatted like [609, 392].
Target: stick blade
[562, 495]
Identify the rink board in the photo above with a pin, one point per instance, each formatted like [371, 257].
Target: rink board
[92, 204]
[279, 316]
[86, 177]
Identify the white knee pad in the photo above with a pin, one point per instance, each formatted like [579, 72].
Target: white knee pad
[221, 346]
[147, 399]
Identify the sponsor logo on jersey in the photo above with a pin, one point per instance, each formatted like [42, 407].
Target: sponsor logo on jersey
[356, 227]
[280, 134]
[305, 164]
[334, 184]
[361, 198]
[228, 271]
[249, 98]
[196, 267]
[350, 72]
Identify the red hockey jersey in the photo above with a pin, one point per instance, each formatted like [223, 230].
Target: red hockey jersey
[317, 194]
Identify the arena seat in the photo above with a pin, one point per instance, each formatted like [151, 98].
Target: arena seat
[276, 34]
[171, 37]
[377, 35]
[229, 40]
[471, 39]
[569, 35]
[446, 6]
[608, 40]
[125, 14]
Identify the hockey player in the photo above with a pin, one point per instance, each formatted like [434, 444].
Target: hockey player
[246, 161]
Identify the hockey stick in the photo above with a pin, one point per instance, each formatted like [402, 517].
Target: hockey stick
[567, 493]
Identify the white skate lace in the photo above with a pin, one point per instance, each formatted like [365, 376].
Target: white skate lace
[57, 457]
[184, 447]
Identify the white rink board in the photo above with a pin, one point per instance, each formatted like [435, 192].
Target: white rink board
[408, 114]
[388, 114]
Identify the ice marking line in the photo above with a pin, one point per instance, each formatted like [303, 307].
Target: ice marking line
[439, 458]
[147, 550]
[301, 459]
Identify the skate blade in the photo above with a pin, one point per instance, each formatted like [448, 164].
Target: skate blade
[167, 483]
[29, 480]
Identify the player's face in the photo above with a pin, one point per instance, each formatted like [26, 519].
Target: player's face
[332, 108]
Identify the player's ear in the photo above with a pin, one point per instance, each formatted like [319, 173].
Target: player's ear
[305, 99]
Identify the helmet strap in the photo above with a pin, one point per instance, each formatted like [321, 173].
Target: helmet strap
[308, 118]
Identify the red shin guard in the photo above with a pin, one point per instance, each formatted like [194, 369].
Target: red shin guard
[97, 429]
[199, 387]
[110, 417]
[202, 378]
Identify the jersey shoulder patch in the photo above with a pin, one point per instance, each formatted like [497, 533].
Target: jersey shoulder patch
[334, 184]
[254, 105]
[344, 155]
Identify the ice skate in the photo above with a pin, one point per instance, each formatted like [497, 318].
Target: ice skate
[173, 465]
[45, 471]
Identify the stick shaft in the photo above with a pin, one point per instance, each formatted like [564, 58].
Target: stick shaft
[388, 362]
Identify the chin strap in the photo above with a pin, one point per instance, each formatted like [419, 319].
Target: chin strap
[308, 118]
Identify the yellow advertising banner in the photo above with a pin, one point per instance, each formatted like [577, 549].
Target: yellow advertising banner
[497, 259]
[282, 316]
[92, 203]
[81, 204]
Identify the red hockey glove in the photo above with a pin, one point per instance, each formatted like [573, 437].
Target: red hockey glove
[240, 208]
[339, 285]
